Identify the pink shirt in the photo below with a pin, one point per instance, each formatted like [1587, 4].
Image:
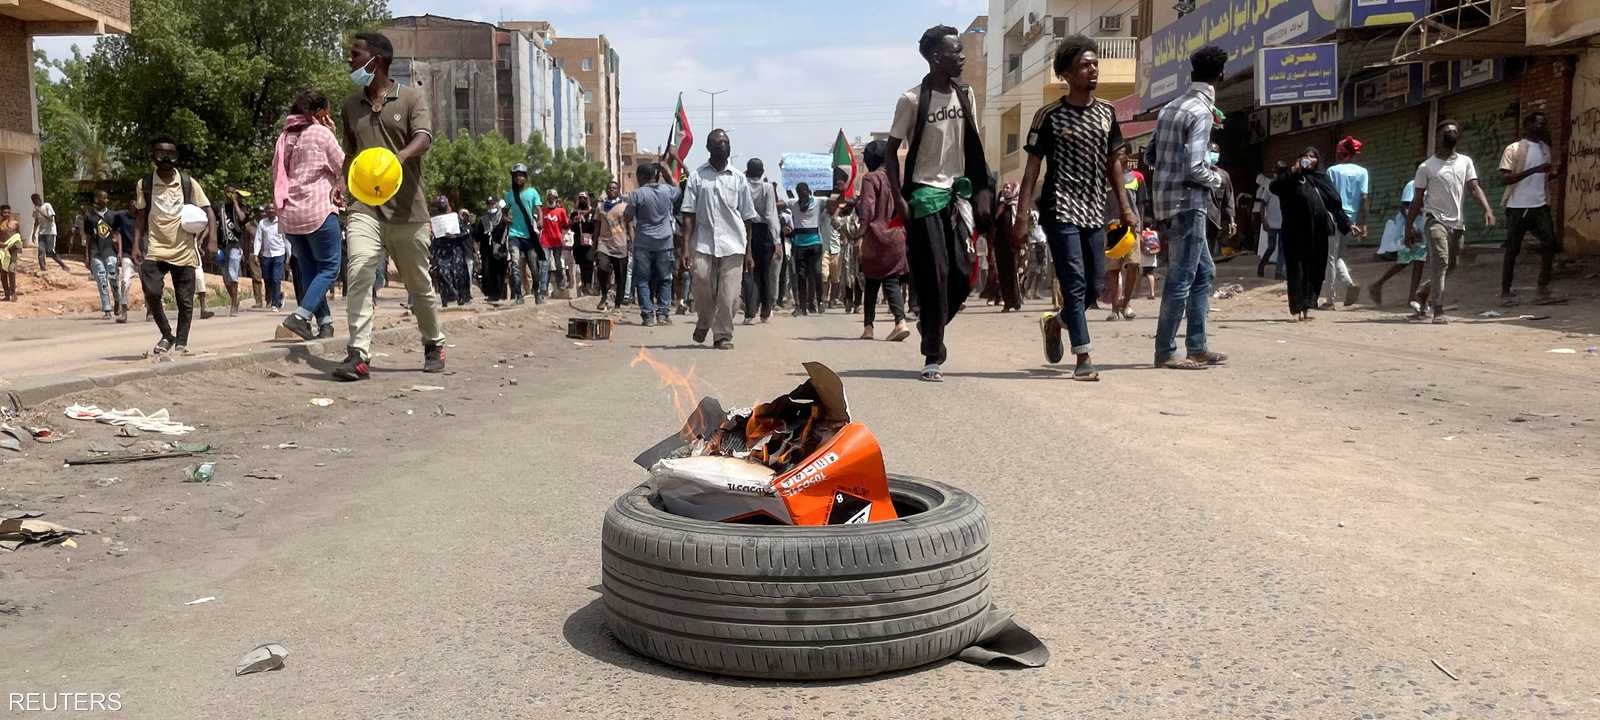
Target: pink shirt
[314, 164]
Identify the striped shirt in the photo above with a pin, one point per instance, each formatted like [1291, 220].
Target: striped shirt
[1181, 179]
[314, 163]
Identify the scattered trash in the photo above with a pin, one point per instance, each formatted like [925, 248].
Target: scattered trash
[1562, 351]
[195, 448]
[156, 422]
[117, 550]
[232, 511]
[322, 402]
[424, 388]
[1443, 670]
[1449, 438]
[10, 443]
[204, 472]
[201, 601]
[1228, 291]
[127, 458]
[269, 372]
[581, 344]
[15, 532]
[44, 435]
[15, 434]
[339, 451]
[69, 542]
[1491, 314]
[264, 475]
[801, 448]
[103, 448]
[410, 412]
[19, 514]
[106, 482]
[438, 411]
[291, 445]
[264, 658]
[589, 328]
[127, 431]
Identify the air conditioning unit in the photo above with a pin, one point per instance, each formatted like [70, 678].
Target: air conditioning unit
[1110, 23]
[1060, 27]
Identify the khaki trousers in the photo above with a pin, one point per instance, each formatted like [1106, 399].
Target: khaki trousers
[407, 245]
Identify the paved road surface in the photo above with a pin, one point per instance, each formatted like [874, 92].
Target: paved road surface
[1299, 535]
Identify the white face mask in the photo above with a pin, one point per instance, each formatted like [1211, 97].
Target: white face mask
[362, 76]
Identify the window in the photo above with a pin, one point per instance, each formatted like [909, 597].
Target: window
[463, 108]
[588, 128]
[1060, 27]
[1110, 23]
[1013, 62]
[588, 64]
[588, 96]
[1012, 143]
[1137, 29]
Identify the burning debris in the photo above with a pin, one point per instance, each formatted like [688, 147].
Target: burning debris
[797, 460]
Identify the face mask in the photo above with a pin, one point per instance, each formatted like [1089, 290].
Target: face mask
[1212, 157]
[1306, 163]
[361, 76]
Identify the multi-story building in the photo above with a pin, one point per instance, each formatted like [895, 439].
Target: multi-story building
[974, 41]
[570, 100]
[1020, 43]
[594, 63]
[20, 22]
[480, 78]
[628, 159]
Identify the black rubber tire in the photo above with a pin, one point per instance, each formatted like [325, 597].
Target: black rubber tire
[799, 603]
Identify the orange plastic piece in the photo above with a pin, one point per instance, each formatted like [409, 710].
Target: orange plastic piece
[843, 482]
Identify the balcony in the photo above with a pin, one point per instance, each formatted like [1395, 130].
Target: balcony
[62, 17]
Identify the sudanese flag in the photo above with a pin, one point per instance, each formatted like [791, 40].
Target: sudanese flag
[844, 158]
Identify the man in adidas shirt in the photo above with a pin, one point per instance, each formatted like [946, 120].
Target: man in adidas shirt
[1078, 136]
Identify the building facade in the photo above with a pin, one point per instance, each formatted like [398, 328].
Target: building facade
[1020, 42]
[20, 22]
[629, 160]
[595, 65]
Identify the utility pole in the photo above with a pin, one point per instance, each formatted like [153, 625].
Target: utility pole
[713, 106]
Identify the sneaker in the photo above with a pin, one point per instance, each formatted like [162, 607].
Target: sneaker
[162, 347]
[353, 368]
[1054, 351]
[325, 332]
[300, 326]
[1351, 295]
[206, 314]
[749, 321]
[723, 345]
[233, 311]
[1441, 320]
[1114, 316]
[105, 314]
[432, 358]
[700, 335]
[180, 349]
[602, 307]
[663, 319]
[649, 322]
[519, 301]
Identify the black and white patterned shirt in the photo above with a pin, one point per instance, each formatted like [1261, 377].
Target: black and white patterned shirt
[1075, 143]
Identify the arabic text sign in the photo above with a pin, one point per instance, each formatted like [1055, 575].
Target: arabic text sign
[813, 169]
[1296, 74]
[1372, 13]
[1241, 27]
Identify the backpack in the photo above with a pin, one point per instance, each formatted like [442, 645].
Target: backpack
[149, 191]
[977, 168]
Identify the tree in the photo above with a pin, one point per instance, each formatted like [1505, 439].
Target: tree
[470, 168]
[568, 171]
[219, 76]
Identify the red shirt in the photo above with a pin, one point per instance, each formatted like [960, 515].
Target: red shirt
[552, 225]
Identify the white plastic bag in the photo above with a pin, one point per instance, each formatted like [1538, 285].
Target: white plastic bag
[717, 488]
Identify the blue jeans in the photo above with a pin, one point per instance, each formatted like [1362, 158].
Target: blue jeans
[272, 269]
[1190, 272]
[104, 270]
[1080, 260]
[652, 271]
[317, 257]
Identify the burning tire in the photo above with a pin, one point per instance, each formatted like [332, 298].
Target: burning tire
[799, 603]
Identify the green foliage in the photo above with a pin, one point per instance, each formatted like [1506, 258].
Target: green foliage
[471, 168]
[567, 171]
[218, 77]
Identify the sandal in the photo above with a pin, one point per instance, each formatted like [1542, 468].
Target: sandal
[1085, 373]
[1177, 363]
[931, 374]
[1209, 358]
[898, 335]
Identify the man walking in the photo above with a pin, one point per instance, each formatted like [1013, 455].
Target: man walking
[1079, 137]
[944, 165]
[44, 231]
[717, 212]
[126, 269]
[649, 220]
[1353, 183]
[231, 228]
[1269, 217]
[552, 232]
[1441, 182]
[273, 249]
[1219, 212]
[1526, 168]
[809, 214]
[528, 255]
[764, 244]
[159, 201]
[611, 247]
[1182, 185]
[382, 113]
[103, 252]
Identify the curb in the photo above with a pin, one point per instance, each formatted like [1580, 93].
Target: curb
[30, 394]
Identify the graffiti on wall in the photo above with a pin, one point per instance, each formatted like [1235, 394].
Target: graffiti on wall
[1583, 159]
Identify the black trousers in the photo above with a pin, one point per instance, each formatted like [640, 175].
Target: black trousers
[939, 264]
[608, 271]
[1519, 222]
[585, 256]
[758, 290]
[891, 290]
[807, 277]
[152, 276]
[1306, 255]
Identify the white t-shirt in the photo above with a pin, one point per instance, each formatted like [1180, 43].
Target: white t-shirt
[44, 217]
[1445, 182]
[1530, 191]
[942, 156]
[1273, 210]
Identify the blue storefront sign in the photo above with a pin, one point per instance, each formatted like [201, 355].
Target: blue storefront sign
[1292, 74]
[1375, 13]
[1241, 27]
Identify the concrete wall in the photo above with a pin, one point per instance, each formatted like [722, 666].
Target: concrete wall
[16, 74]
[1582, 212]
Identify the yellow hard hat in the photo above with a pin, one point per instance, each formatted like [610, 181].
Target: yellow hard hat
[375, 176]
[1119, 241]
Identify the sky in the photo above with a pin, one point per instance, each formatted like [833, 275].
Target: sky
[795, 73]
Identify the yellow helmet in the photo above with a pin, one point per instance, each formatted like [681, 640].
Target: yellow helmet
[1119, 241]
[375, 176]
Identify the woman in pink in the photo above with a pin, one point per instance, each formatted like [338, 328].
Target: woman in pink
[306, 170]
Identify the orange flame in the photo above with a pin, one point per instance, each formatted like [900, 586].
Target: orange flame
[683, 386]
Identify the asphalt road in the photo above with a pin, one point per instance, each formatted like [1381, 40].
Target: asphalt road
[1301, 534]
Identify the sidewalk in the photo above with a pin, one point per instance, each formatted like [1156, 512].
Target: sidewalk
[47, 349]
